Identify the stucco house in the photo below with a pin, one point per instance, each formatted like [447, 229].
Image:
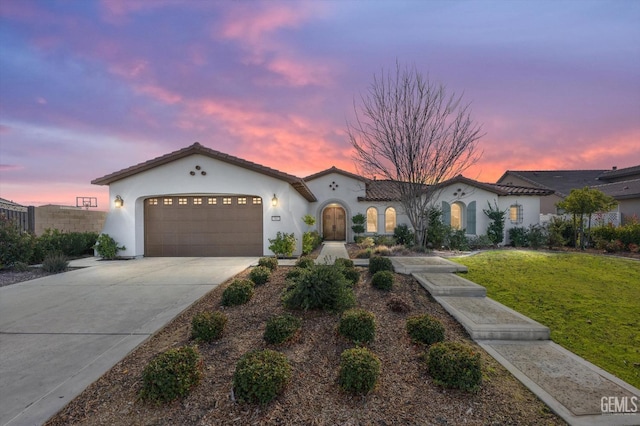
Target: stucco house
[200, 202]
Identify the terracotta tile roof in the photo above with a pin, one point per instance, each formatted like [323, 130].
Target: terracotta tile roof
[387, 190]
[561, 181]
[521, 190]
[334, 169]
[196, 148]
[381, 190]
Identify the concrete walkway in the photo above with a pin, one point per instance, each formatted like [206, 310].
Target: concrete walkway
[58, 334]
[332, 250]
[576, 390]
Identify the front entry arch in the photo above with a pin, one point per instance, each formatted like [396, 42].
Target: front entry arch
[334, 223]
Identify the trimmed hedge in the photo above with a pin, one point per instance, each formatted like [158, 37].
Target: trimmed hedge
[260, 275]
[379, 263]
[359, 370]
[268, 262]
[171, 374]
[455, 365]
[208, 326]
[281, 328]
[260, 376]
[358, 325]
[239, 292]
[383, 280]
[425, 329]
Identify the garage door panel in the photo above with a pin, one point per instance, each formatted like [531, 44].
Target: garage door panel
[192, 229]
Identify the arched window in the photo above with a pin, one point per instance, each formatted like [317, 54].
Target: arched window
[460, 216]
[372, 219]
[389, 220]
[457, 212]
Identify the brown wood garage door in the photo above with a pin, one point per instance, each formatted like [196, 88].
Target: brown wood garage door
[226, 225]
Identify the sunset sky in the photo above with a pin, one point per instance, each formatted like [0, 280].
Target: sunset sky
[91, 87]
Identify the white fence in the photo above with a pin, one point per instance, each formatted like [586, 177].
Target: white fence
[597, 219]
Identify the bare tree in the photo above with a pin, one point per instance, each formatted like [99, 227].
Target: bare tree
[411, 132]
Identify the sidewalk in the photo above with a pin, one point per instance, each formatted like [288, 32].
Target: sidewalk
[332, 251]
[578, 391]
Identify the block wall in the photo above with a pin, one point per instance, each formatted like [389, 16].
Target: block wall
[68, 219]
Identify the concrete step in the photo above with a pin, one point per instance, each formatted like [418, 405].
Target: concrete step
[409, 265]
[486, 319]
[439, 284]
[578, 391]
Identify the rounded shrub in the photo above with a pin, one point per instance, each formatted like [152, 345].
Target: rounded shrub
[208, 326]
[281, 328]
[359, 370]
[383, 280]
[320, 287]
[260, 376]
[352, 275]
[379, 263]
[55, 263]
[238, 293]
[268, 262]
[425, 329]
[455, 365]
[260, 275]
[358, 325]
[305, 262]
[171, 374]
[345, 263]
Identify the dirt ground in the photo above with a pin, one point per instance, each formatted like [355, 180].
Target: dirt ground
[405, 394]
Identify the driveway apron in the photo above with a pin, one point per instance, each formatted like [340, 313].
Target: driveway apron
[60, 333]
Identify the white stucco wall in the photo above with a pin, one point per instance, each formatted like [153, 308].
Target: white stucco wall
[453, 193]
[346, 195]
[530, 212]
[126, 224]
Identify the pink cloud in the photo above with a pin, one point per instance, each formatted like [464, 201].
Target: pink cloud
[255, 29]
[160, 94]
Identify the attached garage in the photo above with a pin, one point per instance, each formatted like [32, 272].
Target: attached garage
[203, 225]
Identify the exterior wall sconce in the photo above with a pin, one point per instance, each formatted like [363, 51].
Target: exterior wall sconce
[119, 202]
[274, 200]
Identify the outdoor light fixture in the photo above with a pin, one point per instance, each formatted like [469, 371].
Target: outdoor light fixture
[274, 200]
[119, 202]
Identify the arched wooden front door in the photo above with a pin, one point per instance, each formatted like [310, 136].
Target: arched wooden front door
[334, 224]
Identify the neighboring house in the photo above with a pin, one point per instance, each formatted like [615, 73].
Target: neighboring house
[624, 186]
[621, 184]
[200, 202]
[22, 215]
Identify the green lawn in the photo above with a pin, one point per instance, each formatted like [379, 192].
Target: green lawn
[590, 303]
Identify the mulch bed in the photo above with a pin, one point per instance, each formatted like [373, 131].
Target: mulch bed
[405, 393]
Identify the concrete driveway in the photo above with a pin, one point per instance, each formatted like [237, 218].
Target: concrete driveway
[60, 333]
